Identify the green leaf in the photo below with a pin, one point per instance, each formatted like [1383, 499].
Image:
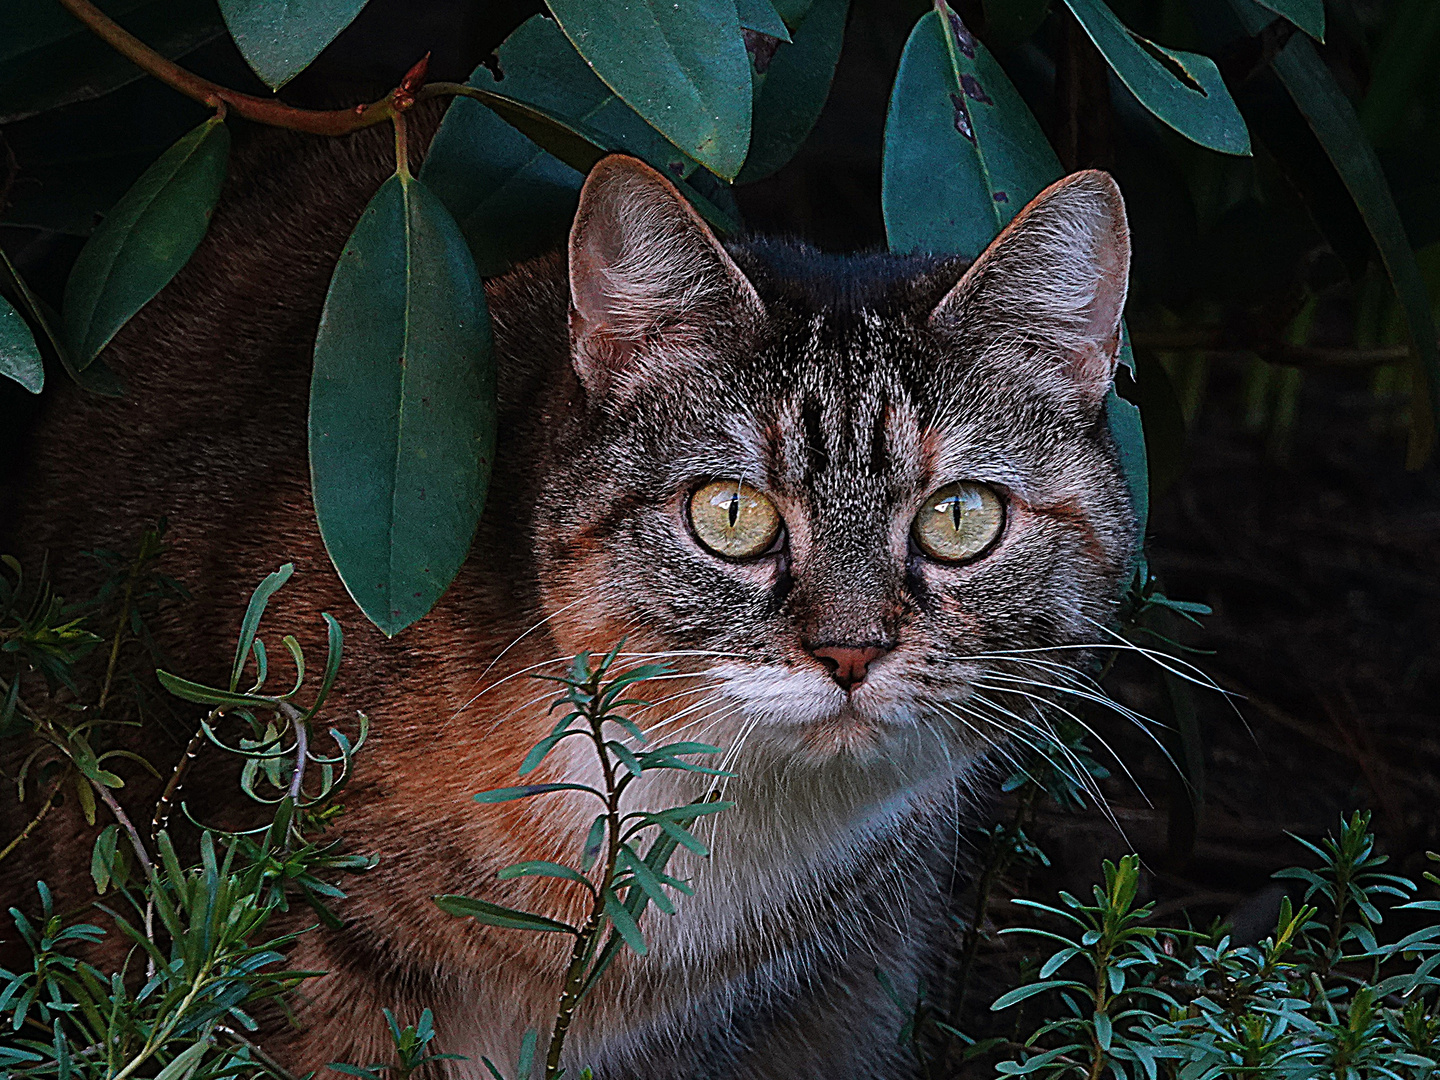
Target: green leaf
[683, 67]
[402, 406]
[495, 915]
[102, 857]
[144, 240]
[791, 85]
[505, 794]
[254, 612]
[201, 694]
[1308, 15]
[1020, 993]
[48, 58]
[96, 378]
[542, 868]
[19, 355]
[279, 38]
[625, 923]
[761, 17]
[1331, 116]
[185, 1063]
[1182, 89]
[513, 185]
[962, 152]
[646, 879]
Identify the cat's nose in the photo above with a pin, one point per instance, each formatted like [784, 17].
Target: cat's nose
[848, 663]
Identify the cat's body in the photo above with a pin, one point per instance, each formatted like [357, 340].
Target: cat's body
[847, 390]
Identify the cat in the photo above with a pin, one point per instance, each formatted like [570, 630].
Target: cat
[829, 491]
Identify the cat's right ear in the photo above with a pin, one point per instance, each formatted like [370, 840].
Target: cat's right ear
[649, 283]
[1051, 287]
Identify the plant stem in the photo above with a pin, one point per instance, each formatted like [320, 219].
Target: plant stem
[302, 748]
[123, 819]
[585, 939]
[172, 786]
[39, 816]
[261, 110]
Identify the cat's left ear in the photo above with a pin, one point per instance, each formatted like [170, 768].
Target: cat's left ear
[648, 281]
[1052, 283]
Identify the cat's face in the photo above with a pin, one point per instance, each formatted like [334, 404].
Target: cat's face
[837, 488]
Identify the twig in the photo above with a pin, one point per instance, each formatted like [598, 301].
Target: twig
[39, 816]
[130, 579]
[262, 110]
[172, 786]
[125, 823]
[302, 747]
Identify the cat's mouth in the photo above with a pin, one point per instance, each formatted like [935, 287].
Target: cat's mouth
[789, 697]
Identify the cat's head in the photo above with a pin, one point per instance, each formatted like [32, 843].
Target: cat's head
[839, 487]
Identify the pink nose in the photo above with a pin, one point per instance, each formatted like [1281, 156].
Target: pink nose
[848, 663]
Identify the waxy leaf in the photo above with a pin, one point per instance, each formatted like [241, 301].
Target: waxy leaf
[510, 169]
[683, 67]
[761, 17]
[791, 83]
[279, 38]
[402, 406]
[97, 378]
[496, 915]
[1308, 15]
[1182, 89]
[962, 152]
[525, 791]
[624, 922]
[962, 155]
[48, 58]
[19, 355]
[144, 240]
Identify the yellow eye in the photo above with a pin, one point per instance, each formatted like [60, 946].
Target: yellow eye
[958, 522]
[733, 519]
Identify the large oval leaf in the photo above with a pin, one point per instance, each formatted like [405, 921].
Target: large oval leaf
[683, 67]
[144, 240]
[279, 38]
[962, 155]
[962, 152]
[402, 406]
[512, 198]
[48, 58]
[1182, 89]
[19, 355]
[97, 378]
[791, 84]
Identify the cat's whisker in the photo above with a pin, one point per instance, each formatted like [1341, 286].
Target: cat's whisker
[1044, 701]
[956, 711]
[501, 654]
[1081, 778]
[1095, 696]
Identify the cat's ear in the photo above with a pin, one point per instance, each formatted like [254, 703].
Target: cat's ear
[648, 280]
[1053, 283]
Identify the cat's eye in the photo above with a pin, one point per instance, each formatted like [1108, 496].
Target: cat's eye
[959, 522]
[734, 520]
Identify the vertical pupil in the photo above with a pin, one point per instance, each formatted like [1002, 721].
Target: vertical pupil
[734, 509]
[956, 512]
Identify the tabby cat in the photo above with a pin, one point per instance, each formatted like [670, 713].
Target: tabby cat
[830, 492]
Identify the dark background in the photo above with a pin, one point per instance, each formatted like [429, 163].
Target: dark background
[1281, 500]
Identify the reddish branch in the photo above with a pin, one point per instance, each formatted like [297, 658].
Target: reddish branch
[262, 110]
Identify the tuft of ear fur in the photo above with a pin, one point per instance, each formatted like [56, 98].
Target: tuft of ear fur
[649, 283]
[1053, 283]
